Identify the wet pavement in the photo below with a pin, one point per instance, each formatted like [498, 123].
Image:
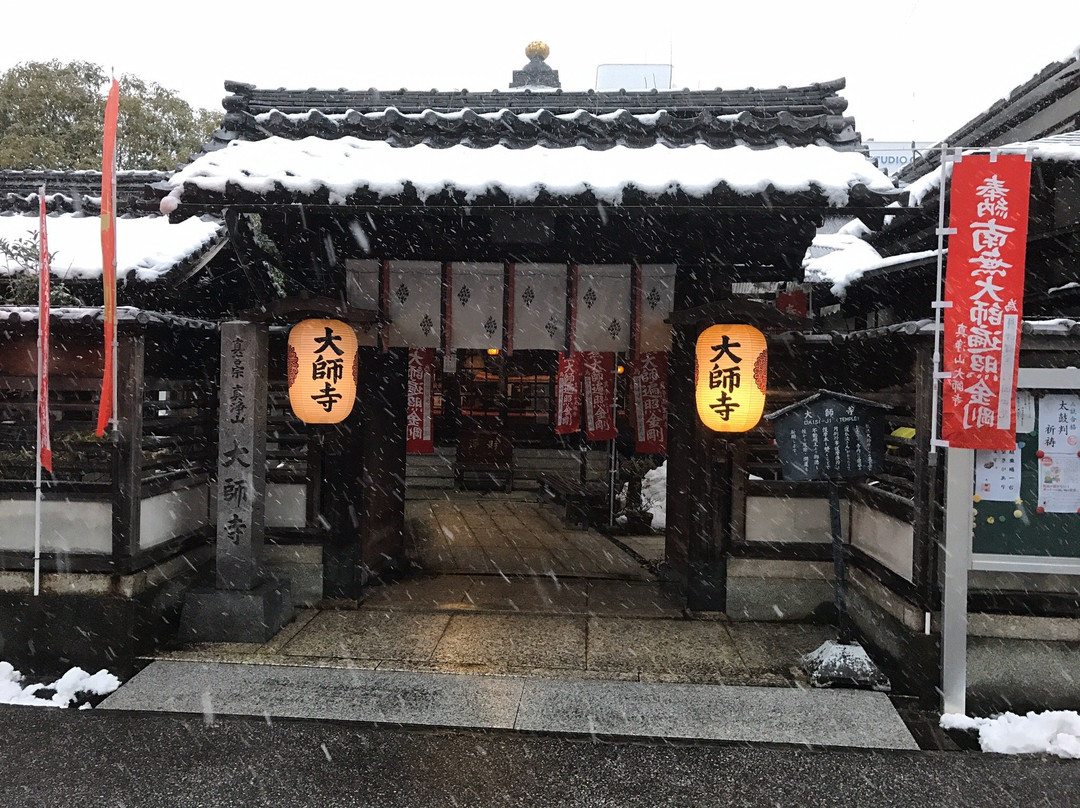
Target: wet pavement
[512, 534]
[520, 623]
[112, 758]
[573, 629]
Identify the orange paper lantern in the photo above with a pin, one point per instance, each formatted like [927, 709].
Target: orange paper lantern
[730, 377]
[322, 370]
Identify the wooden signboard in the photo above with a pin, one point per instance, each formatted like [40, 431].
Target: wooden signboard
[830, 436]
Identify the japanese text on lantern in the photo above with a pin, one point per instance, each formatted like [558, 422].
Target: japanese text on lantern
[322, 370]
[985, 286]
[731, 373]
[725, 377]
[326, 367]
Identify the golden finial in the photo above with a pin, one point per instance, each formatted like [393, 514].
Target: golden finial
[537, 50]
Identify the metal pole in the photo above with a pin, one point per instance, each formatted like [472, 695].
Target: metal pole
[939, 304]
[37, 463]
[839, 594]
[613, 471]
[960, 471]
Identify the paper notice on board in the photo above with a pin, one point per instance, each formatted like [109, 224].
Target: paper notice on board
[1059, 483]
[1059, 424]
[997, 475]
[1025, 412]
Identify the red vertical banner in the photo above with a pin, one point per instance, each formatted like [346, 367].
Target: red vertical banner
[568, 394]
[44, 443]
[648, 385]
[419, 438]
[598, 391]
[108, 254]
[984, 282]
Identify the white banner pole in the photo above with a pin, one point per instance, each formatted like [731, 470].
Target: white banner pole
[37, 443]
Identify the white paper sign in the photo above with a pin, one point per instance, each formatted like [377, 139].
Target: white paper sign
[1059, 483]
[1025, 412]
[997, 475]
[1059, 424]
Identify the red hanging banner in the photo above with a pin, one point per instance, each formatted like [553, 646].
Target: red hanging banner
[648, 384]
[108, 254]
[984, 281]
[419, 438]
[44, 444]
[598, 388]
[568, 394]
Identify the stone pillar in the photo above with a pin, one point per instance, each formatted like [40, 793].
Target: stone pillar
[241, 477]
[243, 605]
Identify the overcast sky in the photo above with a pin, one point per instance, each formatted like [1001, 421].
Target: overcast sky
[915, 69]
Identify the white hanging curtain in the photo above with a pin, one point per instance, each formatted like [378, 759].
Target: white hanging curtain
[362, 292]
[413, 295]
[538, 303]
[602, 308]
[477, 306]
[657, 299]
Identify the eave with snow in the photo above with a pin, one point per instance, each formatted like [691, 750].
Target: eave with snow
[733, 179]
[895, 269]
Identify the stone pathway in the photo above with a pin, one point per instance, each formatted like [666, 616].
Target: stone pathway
[577, 629]
[777, 715]
[499, 534]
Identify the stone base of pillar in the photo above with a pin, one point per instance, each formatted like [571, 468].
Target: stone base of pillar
[224, 615]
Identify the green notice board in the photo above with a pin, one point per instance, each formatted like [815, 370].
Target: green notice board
[1017, 527]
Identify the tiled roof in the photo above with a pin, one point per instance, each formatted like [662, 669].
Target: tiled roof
[1046, 104]
[16, 315]
[362, 173]
[519, 119]
[75, 191]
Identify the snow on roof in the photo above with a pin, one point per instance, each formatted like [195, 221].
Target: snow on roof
[146, 246]
[347, 165]
[849, 258]
[13, 315]
[842, 258]
[1064, 147]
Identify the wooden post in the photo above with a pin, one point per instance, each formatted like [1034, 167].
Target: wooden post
[241, 483]
[127, 458]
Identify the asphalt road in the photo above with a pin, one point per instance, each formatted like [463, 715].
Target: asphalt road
[96, 758]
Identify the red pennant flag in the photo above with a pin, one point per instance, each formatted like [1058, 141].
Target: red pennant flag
[984, 280]
[598, 381]
[44, 444]
[568, 394]
[648, 376]
[108, 254]
[418, 433]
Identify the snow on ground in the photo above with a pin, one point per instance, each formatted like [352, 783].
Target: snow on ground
[65, 689]
[1052, 732]
[654, 495]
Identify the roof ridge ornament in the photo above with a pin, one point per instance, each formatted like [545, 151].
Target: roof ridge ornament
[536, 74]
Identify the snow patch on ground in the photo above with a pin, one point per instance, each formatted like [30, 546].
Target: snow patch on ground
[66, 688]
[654, 495]
[1055, 732]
